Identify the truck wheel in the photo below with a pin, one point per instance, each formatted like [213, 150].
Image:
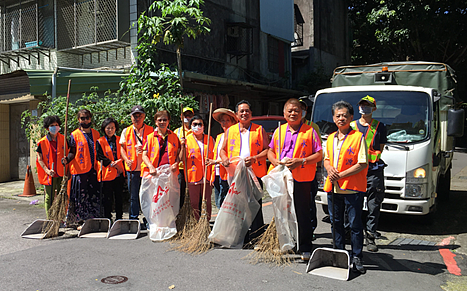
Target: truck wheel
[444, 186]
[325, 208]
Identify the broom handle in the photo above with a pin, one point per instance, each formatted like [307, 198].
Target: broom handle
[279, 143]
[184, 156]
[207, 151]
[66, 123]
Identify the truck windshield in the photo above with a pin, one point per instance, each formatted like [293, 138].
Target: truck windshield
[405, 113]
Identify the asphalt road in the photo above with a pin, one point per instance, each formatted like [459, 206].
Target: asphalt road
[81, 264]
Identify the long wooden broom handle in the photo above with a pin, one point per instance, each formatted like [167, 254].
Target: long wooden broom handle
[184, 156]
[66, 123]
[207, 150]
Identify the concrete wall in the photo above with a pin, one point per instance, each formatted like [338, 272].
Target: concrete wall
[325, 34]
[5, 142]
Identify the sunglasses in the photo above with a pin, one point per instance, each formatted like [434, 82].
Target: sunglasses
[162, 120]
[196, 124]
[83, 118]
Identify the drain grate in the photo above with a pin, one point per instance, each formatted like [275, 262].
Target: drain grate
[114, 280]
[412, 242]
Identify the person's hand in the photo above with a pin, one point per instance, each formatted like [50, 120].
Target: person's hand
[129, 163]
[64, 161]
[333, 174]
[152, 170]
[210, 162]
[293, 163]
[182, 141]
[226, 163]
[249, 161]
[51, 173]
[174, 167]
[115, 163]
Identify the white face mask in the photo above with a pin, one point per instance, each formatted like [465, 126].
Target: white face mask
[365, 110]
[197, 129]
[186, 120]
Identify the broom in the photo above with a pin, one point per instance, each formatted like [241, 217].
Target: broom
[267, 248]
[196, 241]
[57, 212]
[186, 218]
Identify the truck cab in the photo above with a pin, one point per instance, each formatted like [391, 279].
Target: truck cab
[419, 151]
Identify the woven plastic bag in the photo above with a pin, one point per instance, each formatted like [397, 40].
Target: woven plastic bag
[279, 184]
[160, 202]
[239, 208]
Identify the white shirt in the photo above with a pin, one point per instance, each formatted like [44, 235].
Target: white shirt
[245, 149]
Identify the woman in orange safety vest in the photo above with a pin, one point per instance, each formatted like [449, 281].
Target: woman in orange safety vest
[110, 172]
[196, 146]
[49, 154]
[85, 189]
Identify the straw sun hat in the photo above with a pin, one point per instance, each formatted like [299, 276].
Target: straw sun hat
[218, 113]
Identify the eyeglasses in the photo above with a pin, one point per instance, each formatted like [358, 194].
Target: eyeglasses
[196, 124]
[83, 118]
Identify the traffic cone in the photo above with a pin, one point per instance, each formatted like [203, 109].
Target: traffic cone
[29, 188]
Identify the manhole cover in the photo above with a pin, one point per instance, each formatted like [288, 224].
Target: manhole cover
[114, 279]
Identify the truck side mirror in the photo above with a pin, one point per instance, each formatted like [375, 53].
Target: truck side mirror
[456, 122]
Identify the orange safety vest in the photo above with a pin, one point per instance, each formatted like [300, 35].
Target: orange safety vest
[222, 170]
[153, 150]
[109, 173]
[131, 142]
[195, 169]
[256, 145]
[348, 156]
[44, 143]
[82, 162]
[373, 155]
[303, 148]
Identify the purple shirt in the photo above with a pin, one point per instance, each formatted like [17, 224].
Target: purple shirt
[291, 139]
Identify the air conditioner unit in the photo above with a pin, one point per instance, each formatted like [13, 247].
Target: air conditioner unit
[233, 31]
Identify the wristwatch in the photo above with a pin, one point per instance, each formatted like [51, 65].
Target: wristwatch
[303, 161]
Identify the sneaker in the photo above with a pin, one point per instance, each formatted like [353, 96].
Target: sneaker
[357, 265]
[373, 235]
[371, 245]
[306, 256]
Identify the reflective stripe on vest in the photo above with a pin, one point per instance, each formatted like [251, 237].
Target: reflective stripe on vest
[234, 141]
[131, 142]
[347, 157]
[373, 155]
[109, 173]
[303, 148]
[222, 171]
[153, 151]
[195, 167]
[82, 162]
[44, 143]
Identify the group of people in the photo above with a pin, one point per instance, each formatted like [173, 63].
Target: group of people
[351, 159]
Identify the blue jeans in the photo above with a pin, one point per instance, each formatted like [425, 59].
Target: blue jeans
[134, 183]
[221, 187]
[337, 208]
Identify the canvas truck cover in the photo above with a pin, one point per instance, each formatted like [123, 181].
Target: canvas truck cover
[438, 76]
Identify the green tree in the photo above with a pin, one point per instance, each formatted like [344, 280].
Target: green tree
[174, 20]
[394, 30]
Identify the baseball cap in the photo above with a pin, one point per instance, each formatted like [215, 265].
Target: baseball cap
[137, 109]
[306, 101]
[185, 109]
[368, 99]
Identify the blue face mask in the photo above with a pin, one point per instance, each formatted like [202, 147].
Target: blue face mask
[303, 113]
[365, 110]
[54, 129]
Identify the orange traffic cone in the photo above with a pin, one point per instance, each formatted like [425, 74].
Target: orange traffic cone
[29, 188]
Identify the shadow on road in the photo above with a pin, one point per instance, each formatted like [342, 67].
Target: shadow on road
[449, 219]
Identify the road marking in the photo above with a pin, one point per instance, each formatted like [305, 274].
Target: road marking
[448, 257]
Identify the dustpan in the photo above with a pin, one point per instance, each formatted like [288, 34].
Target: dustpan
[36, 230]
[330, 262]
[95, 228]
[125, 229]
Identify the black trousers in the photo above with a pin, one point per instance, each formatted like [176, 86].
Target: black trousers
[256, 228]
[113, 190]
[181, 181]
[302, 202]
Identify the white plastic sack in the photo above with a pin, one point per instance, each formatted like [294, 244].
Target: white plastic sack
[239, 208]
[160, 202]
[279, 184]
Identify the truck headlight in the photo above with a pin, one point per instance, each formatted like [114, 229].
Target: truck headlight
[417, 182]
